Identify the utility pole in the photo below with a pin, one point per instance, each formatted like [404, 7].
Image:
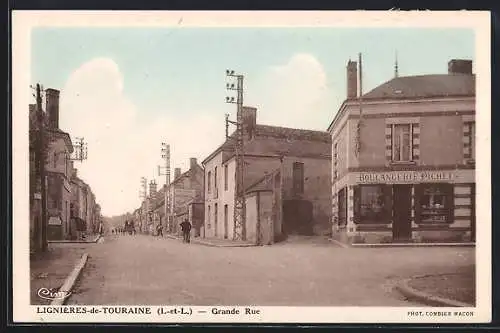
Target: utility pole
[41, 150]
[239, 193]
[360, 100]
[81, 150]
[165, 154]
[143, 195]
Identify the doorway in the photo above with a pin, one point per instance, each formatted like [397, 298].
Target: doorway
[225, 222]
[401, 229]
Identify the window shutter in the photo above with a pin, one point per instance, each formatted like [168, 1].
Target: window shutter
[388, 202]
[449, 204]
[356, 203]
[419, 191]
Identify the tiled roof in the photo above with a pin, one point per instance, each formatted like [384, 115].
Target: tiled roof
[422, 86]
[275, 140]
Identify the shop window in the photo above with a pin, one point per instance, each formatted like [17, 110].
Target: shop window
[433, 203]
[401, 143]
[342, 207]
[372, 204]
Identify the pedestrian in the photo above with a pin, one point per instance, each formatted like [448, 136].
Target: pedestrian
[159, 230]
[186, 231]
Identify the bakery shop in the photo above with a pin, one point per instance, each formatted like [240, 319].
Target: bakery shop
[403, 159]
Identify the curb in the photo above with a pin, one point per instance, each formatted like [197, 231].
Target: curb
[426, 298]
[75, 241]
[339, 243]
[71, 279]
[416, 245]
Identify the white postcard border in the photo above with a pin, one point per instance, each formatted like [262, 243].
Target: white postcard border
[24, 21]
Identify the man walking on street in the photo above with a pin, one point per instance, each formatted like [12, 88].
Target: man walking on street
[186, 231]
[159, 230]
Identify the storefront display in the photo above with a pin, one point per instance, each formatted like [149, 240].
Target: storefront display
[372, 204]
[434, 203]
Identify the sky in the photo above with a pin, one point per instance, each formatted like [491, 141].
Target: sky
[127, 90]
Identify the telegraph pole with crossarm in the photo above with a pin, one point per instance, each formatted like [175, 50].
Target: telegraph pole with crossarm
[239, 193]
[165, 154]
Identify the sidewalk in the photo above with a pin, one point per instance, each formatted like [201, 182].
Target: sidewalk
[90, 239]
[448, 289]
[214, 242]
[50, 270]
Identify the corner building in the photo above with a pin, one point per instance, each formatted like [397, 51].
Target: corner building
[403, 159]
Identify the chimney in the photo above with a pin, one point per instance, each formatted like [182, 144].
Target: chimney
[460, 66]
[52, 107]
[177, 173]
[249, 121]
[192, 163]
[352, 79]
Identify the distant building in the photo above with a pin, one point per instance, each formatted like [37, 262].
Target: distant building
[286, 180]
[407, 172]
[186, 189]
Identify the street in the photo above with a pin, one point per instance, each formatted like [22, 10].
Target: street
[160, 271]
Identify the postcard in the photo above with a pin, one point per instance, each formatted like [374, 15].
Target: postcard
[251, 167]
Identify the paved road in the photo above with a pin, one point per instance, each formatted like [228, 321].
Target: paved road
[146, 270]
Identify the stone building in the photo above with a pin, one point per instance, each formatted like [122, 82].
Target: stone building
[297, 160]
[66, 193]
[58, 170]
[185, 190]
[403, 159]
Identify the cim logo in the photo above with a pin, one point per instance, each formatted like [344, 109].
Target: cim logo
[52, 294]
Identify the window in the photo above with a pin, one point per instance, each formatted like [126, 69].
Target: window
[435, 202]
[215, 180]
[55, 160]
[209, 217]
[401, 143]
[298, 178]
[370, 205]
[215, 219]
[209, 181]
[225, 178]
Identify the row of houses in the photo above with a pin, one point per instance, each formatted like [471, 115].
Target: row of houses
[71, 207]
[395, 164]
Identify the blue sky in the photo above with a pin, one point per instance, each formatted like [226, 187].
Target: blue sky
[175, 76]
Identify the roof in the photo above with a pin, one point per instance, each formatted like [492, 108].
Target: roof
[262, 184]
[424, 86]
[419, 86]
[283, 141]
[186, 174]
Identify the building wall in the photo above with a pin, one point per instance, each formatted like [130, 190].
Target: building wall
[438, 144]
[317, 188]
[252, 214]
[214, 224]
[255, 168]
[445, 130]
[373, 142]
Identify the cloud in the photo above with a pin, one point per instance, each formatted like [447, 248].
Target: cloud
[295, 94]
[122, 147]
[125, 145]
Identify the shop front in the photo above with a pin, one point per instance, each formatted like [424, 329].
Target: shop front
[405, 206]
